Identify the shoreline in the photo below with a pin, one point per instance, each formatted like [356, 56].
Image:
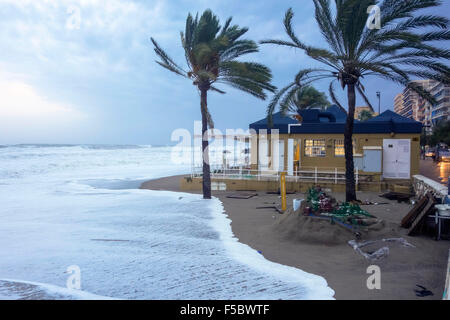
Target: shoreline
[344, 270]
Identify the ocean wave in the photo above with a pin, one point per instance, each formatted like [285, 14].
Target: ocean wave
[28, 290]
[112, 146]
[41, 145]
[84, 146]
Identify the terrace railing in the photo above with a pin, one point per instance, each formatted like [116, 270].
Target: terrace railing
[316, 174]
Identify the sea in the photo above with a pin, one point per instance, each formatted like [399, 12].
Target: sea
[75, 225]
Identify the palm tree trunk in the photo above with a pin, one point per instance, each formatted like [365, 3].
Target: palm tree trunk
[350, 191]
[206, 181]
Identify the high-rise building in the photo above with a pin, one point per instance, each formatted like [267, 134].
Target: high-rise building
[441, 109]
[411, 105]
[398, 103]
[414, 107]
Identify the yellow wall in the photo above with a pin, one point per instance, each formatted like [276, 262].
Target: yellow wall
[195, 184]
[331, 161]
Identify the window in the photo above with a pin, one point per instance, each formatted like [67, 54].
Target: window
[315, 148]
[339, 150]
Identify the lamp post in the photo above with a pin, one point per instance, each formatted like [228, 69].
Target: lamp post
[379, 101]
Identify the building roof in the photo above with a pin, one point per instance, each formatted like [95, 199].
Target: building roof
[333, 119]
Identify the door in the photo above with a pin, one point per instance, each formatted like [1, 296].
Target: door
[396, 158]
[403, 158]
[263, 154]
[291, 151]
[281, 155]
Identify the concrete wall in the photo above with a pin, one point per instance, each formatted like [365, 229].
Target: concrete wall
[195, 184]
[423, 185]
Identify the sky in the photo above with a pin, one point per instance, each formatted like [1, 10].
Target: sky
[84, 72]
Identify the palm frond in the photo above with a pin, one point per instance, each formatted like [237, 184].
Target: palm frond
[279, 42]
[363, 95]
[238, 48]
[274, 102]
[167, 62]
[213, 88]
[333, 96]
[327, 25]
[288, 28]
[254, 75]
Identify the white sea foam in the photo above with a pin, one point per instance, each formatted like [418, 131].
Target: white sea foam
[28, 290]
[316, 286]
[77, 205]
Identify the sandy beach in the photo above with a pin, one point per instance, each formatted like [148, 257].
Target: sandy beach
[331, 257]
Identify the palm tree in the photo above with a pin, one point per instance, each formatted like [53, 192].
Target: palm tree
[365, 115]
[441, 133]
[211, 53]
[306, 97]
[401, 49]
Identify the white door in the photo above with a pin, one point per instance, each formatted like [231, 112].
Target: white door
[404, 158]
[263, 154]
[396, 158]
[281, 157]
[291, 150]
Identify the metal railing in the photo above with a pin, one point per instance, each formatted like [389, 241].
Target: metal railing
[315, 174]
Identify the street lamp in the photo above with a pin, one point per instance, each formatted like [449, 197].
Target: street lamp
[379, 101]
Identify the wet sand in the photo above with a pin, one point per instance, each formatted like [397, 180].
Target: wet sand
[344, 269]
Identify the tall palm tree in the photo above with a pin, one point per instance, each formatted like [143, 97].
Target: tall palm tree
[306, 97]
[404, 47]
[211, 53]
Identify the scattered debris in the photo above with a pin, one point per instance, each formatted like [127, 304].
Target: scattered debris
[349, 216]
[379, 253]
[349, 213]
[400, 197]
[423, 292]
[242, 195]
[297, 203]
[370, 203]
[402, 241]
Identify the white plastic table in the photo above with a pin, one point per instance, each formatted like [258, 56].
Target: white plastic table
[438, 220]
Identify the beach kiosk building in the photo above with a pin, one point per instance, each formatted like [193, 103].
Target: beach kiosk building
[386, 148]
[309, 147]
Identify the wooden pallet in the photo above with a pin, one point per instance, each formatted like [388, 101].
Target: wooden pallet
[414, 212]
[420, 219]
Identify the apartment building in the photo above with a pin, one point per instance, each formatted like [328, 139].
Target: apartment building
[398, 103]
[441, 110]
[414, 107]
